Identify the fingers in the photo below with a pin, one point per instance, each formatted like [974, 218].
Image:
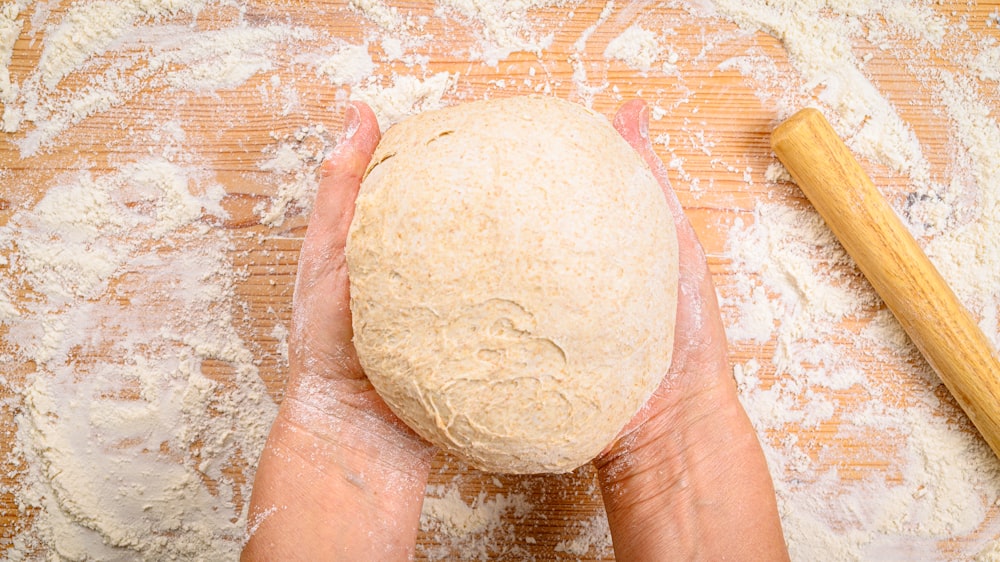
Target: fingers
[632, 123]
[699, 336]
[321, 308]
[339, 182]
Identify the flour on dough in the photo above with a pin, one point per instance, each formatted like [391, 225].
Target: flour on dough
[513, 268]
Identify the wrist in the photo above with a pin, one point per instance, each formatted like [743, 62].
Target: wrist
[347, 481]
[674, 445]
[692, 483]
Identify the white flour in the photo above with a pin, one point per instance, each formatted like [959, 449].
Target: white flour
[481, 528]
[948, 478]
[594, 538]
[969, 263]
[503, 26]
[348, 65]
[10, 30]
[406, 96]
[640, 49]
[942, 482]
[293, 161]
[78, 37]
[117, 396]
[124, 295]
[129, 46]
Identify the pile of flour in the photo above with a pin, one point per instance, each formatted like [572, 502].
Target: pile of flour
[138, 395]
[126, 439]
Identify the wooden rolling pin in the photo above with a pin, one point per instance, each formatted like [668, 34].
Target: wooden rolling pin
[885, 251]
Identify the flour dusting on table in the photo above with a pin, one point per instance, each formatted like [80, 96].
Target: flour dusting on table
[140, 364]
[127, 439]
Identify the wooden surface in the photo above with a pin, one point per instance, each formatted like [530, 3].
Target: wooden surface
[948, 337]
[232, 131]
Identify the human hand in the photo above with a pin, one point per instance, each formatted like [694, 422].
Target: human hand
[341, 477]
[686, 478]
[335, 448]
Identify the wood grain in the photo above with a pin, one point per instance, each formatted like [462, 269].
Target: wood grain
[885, 251]
[718, 122]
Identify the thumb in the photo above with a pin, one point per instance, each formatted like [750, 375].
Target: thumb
[632, 123]
[699, 336]
[340, 180]
[321, 304]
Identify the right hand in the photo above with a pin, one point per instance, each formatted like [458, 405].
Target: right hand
[687, 479]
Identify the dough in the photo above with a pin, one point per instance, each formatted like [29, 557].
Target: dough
[513, 271]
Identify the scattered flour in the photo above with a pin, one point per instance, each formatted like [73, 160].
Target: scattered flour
[637, 47]
[819, 46]
[349, 65]
[972, 267]
[480, 530]
[381, 14]
[948, 478]
[280, 334]
[459, 519]
[584, 89]
[124, 383]
[504, 26]
[88, 29]
[122, 294]
[406, 96]
[794, 286]
[10, 30]
[594, 539]
[147, 50]
[293, 162]
[986, 63]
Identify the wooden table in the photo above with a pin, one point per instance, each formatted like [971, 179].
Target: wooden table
[717, 119]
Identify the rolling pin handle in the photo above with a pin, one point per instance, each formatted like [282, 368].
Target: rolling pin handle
[892, 261]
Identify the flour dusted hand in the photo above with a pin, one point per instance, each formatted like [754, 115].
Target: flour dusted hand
[513, 277]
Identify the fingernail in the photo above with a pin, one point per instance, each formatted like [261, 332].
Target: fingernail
[644, 122]
[352, 121]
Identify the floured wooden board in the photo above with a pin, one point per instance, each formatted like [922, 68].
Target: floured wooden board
[156, 172]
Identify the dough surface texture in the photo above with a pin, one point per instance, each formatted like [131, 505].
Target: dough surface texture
[513, 271]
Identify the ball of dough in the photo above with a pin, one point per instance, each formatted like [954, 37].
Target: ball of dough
[513, 273]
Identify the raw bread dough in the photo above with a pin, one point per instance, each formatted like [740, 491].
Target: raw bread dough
[513, 270]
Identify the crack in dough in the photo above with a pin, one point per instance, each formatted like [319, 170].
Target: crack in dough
[513, 269]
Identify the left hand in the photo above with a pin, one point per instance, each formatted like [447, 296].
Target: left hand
[341, 477]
